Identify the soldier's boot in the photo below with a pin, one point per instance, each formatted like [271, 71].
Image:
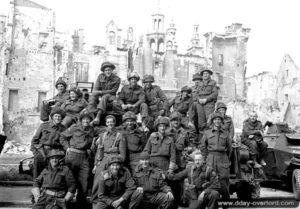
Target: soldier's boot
[256, 164]
[96, 121]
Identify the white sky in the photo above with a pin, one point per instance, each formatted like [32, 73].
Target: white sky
[275, 24]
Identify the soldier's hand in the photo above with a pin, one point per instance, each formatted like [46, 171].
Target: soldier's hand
[170, 196]
[200, 197]
[117, 203]
[191, 125]
[124, 106]
[94, 169]
[251, 136]
[36, 193]
[69, 196]
[140, 190]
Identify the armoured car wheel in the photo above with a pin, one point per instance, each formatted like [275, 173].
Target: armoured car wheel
[296, 183]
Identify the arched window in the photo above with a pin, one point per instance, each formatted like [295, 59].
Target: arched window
[169, 45]
[152, 44]
[161, 46]
[112, 38]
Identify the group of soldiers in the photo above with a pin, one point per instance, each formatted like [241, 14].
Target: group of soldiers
[170, 158]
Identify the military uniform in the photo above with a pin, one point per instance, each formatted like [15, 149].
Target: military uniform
[216, 147]
[54, 183]
[202, 179]
[112, 188]
[72, 109]
[206, 90]
[226, 125]
[59, 99]
[156, 100]
[108, 143]
[257, 147]
[152, 180]
[44, 140]
[108, 87]
[162, 151]
[181, 105]
[77, 142]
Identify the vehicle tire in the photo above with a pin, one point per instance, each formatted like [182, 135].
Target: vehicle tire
[296, 183]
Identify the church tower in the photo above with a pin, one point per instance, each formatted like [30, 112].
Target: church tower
[171, 38]
[196, 47]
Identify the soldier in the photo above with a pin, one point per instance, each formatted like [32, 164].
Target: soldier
[73, 107]
[135, 138]
[182, 102]
[45, 139]
[205, 101]
[106, 87]
[155, 98]
[227, 120]
[110, 142]
[77, 141]
[116, 185]
[180, 136]
[201, 188]
[132, 97]
[216, 147]
[56, 184]
[252, 137]
[56, 101]
[151, 186]
[161, 147]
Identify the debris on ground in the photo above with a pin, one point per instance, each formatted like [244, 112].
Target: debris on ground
[13, 147]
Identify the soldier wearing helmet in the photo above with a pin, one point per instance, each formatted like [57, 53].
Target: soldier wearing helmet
[73, 106]
[77, 141]
[201, 184]
[110, 142]
[135, 138]
[155, 98]
[151, 186]
[161, 147]
[227, 120]
[45, 139]
[204, 100]
[181, 103]
[56, 101]
[57, 183]
[132, 97]
[216, 147]
[115, 184]
[106, 87]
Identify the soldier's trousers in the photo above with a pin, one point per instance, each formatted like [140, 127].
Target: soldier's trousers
[145, 200]
[134, 159]
[101, 167]
[102, 205]
[258, 148]
[142, 109]
[210, 201]
[219, 161]
[199, 113]
[79, 164]
[45, 112]
[49, 202]
[160, 162]
[67, 121]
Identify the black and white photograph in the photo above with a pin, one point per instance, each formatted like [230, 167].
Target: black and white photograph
[153, 104]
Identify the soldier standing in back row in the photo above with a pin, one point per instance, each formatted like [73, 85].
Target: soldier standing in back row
[205, 100]
[216, 147]
[106, 87]
[155, 98]
[45, 139]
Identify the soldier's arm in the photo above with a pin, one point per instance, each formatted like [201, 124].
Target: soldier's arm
[97, 84]
[163, 97]
[39, 180]
[181, 175]
[163, 184]
[122, 146]
[229, 146]
[192, 113]
[147, 148]
[70, 180]
[102, 195]
[142, 98]
[213, 184]
[130, 186]
[203, 146]
[59, 101]
[65, 137]
[80, 105]
[172, 103]
[172, 156]
[115, 87]
[214, 94]
[35, 142]
[122, 95]
[231, 130]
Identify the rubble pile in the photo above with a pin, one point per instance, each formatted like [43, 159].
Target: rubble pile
[13, 147]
